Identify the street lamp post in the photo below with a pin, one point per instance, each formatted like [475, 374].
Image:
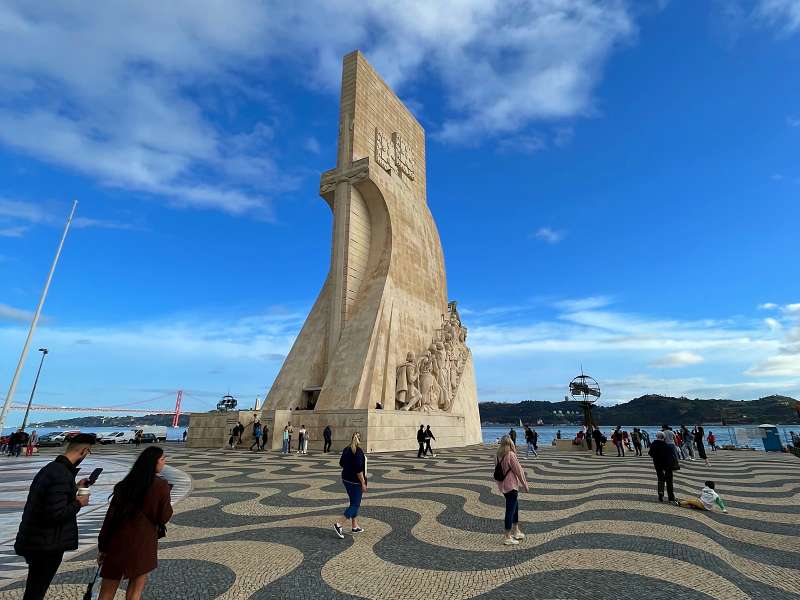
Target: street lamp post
[33, 391]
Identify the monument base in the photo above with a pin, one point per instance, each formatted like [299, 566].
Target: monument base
[213, 430]
[381, 430]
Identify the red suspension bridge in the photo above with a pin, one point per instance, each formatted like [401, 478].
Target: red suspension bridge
[124, 408]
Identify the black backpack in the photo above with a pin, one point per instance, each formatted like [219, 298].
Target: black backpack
[498, 472]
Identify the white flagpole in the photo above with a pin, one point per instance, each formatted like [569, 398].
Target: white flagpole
[34, 322]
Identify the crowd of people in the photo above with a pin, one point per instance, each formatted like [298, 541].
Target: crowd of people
[127, 546]
[17, 441]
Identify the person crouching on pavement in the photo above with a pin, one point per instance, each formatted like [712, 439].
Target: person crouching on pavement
[707, 500]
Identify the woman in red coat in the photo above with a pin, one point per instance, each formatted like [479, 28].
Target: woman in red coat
[128, 542]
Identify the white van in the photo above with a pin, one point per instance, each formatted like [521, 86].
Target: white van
[121, 437]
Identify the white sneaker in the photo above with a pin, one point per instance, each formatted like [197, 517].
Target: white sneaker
[519, 536]
[510, 542]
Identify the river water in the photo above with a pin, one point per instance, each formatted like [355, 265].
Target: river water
[741, 435]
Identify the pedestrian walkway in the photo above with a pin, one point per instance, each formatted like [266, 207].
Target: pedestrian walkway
[16, 475]
[258, 526]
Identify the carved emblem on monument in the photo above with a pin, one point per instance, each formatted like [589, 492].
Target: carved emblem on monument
[383, 151]
[403, 156]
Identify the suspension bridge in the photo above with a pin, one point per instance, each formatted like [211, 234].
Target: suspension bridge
[134, 408]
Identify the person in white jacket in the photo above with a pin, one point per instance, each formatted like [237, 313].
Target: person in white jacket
[707, 500]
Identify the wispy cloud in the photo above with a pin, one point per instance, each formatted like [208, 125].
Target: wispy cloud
[793, 121]
[767, 306]
[549, 235]
[678, 359]
[14, 315]
[21, 215]
[783, 15]
[13, 232]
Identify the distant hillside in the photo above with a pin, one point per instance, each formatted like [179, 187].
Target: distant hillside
[648, 410]
[121, 422]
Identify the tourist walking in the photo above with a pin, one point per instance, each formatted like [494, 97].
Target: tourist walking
[599, 440]
[712, 441]
[428, 437]
[510, 476]
[264, 434]
[512, 433]
[185, 433]
[291, 431]
[327, 434]
[257, 433]
[137, 438]
[669, 438]
[421, 441]
[285, 447]
[136, 518]
[301, 439]
[530, 440]
[33, 439]
[698, 440]
[636, 438]
[645, 438]
[687, 437]
[616, 439]
[49, 524]
[306, 437]
[665, 461]
[707, 500]
[354, 479]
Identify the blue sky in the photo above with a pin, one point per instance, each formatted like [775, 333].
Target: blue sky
[616, 184]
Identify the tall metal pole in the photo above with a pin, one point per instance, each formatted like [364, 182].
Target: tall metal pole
[33, 390]
[34, 322]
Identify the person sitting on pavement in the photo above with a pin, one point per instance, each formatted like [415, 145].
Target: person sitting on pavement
[707, 500]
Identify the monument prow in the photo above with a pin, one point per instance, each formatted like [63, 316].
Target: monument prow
[382, 350]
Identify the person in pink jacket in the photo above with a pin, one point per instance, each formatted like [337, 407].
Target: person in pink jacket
[510, 478]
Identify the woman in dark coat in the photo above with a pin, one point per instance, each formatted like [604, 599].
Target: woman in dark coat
[128, 542]
[698, 440]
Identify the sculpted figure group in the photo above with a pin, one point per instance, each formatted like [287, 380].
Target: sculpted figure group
[430, 383]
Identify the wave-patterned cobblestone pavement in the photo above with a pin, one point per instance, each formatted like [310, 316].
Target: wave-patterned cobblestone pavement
[258, 526]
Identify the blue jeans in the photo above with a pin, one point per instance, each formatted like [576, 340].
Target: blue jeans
[531, 448]
[512, 509]
[285, 447]
[354, 493]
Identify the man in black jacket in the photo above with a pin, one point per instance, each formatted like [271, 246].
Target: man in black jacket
[428, 437]
[598, 440]
[664, 462]
[327, 434]
[49, 524]
[421, 441]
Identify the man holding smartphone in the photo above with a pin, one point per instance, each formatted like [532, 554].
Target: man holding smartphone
[49, 524]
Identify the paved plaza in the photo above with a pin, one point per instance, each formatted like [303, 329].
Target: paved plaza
[259, 526]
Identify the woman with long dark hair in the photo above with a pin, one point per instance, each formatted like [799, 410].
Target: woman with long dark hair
[128, 543]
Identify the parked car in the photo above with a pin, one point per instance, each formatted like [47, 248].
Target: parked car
[110, 438]
[57, 438]
[149, 438]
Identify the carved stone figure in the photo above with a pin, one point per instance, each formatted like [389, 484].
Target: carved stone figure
[428, 387]
[407, 388]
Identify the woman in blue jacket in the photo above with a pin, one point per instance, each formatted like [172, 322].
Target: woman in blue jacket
[354, 467]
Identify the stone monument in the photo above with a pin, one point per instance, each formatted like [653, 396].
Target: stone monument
[382, 350]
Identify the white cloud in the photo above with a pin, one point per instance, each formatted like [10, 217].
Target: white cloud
[767, 306]
[678, 359]
[551, 236]
[783, 15]
[792, 308]
[15, 232]
[312, 145]
[773, 324]
[128, 92]
[581, 304]
[16, 315]
[21, 215]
